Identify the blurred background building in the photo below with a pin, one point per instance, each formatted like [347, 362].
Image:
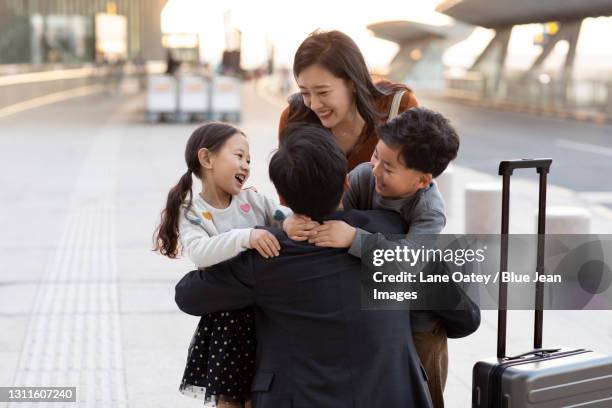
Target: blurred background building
[544, 56]
[63, 31]
[541, 86]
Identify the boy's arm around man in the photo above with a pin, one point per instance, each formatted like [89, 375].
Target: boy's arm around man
[424, 213]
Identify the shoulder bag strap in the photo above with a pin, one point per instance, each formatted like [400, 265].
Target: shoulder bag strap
[395, 105]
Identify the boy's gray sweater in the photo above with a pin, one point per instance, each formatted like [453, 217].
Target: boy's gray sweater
[422, 211]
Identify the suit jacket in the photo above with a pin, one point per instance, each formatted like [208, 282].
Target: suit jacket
[316, 347]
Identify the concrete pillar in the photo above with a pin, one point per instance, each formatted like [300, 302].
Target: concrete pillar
[491, 61]
[483, 208]
[566, 220]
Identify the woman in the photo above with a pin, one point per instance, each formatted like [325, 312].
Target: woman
[337, 91]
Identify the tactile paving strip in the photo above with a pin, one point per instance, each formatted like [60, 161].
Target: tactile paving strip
[74, 333]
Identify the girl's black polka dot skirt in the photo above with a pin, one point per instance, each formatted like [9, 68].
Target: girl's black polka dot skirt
[221, 357]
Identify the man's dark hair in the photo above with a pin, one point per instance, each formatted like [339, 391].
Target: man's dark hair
[308, 170]
[426, 140]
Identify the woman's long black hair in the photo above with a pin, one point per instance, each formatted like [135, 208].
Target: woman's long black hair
[338, 53]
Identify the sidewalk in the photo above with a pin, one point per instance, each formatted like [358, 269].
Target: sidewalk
[83, 300]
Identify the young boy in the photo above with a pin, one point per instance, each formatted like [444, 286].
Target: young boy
[413, 148]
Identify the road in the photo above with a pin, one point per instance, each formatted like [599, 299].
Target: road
[581, 152]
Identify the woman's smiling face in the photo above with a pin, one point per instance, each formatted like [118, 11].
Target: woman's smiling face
[329, 97]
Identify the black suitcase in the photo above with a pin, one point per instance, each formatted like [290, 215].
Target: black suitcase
[542, 378]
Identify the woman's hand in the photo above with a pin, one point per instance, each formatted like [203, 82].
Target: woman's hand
[299, 227]
[333, 234]
[264, 242]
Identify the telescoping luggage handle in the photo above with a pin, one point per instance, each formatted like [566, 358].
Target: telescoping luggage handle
[506, 168]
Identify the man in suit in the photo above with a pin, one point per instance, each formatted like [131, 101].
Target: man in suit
[316, 347]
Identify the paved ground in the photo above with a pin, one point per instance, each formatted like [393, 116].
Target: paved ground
[83, 300]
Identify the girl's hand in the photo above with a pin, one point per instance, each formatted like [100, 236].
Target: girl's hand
[299, 227]
[333, 234]
[264, 242]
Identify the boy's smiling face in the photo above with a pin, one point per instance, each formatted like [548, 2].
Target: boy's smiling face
[393, 178]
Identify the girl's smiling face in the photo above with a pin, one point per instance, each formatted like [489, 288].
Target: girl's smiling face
[229, 167]
[329, 97]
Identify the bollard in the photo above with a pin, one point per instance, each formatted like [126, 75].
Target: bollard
[483, 208]
[566, 220]
[445, 185]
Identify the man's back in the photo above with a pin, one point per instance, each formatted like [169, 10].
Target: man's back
[316, 347]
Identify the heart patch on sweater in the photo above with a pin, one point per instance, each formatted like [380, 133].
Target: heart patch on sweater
[245, 207]
[207, 215]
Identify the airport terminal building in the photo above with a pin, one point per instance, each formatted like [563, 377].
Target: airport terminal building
[64, 31]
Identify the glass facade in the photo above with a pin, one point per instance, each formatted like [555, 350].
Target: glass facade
[63, 31]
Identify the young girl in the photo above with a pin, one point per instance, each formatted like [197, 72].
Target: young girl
[216, 225]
